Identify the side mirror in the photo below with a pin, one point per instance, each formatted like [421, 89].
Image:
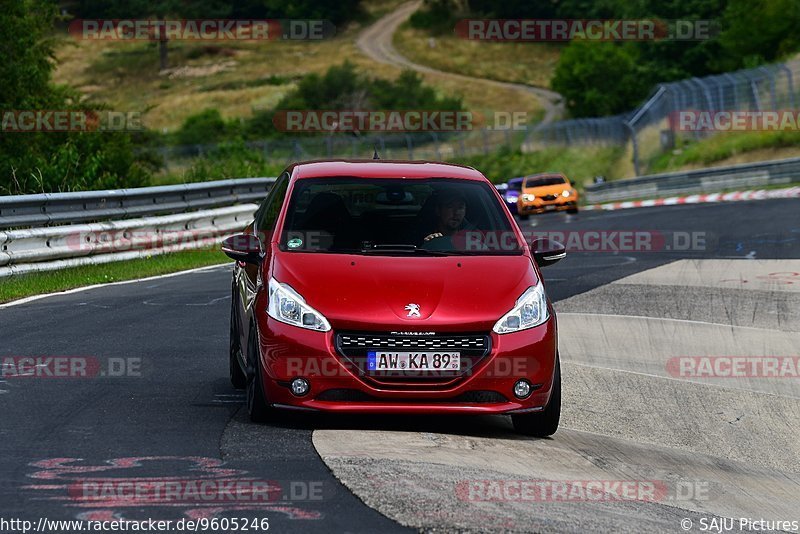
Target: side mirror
[547, 252]
[245, 248]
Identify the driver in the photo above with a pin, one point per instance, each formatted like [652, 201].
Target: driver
[451, 208]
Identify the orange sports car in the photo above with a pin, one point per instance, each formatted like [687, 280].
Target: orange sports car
[546, 192]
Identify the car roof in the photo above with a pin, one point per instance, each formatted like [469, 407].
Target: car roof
[369, 168]
[547, 175]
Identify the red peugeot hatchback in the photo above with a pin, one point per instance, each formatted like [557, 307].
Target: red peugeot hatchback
[393, 287]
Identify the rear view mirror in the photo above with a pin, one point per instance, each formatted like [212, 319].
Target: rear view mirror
[547, 252]
[243, 247]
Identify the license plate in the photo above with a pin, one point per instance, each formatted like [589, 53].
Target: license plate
[550, 207]
[413, 361]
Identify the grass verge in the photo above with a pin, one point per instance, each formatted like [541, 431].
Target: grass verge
[725, 146]
[26, 285]
[528, 63]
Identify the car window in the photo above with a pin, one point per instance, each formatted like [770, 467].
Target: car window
[268, 213]
[398, 217]
[544, 180]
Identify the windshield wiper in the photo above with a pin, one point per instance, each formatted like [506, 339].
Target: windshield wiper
[403, 247]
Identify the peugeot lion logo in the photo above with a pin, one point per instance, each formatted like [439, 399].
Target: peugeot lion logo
[412, 309]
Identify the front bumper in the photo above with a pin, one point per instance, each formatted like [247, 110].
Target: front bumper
[543, 206]
[288, 352]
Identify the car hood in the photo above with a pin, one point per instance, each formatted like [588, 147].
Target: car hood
[466, 293]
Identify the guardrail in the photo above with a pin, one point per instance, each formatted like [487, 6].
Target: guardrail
[51, 248]
[710, 180]
[184, 222]
[131, 223]
[18, 211]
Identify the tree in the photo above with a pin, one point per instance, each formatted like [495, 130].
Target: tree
[599, 78]
[27, 50]
[50, 161]
[759, 31]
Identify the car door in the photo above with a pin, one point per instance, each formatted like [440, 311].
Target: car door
[246, 275]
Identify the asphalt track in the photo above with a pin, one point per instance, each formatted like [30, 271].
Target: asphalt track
[175, 417]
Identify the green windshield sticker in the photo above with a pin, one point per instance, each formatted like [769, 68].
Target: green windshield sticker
[295, 242]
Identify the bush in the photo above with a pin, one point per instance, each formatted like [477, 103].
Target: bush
[205, 127]
[342, 87]
[75, 162]
[436, 16]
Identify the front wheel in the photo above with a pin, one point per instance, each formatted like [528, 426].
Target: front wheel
[238, 378]
[544, 423]
[523, 217]
[572, 211]
[257, 405]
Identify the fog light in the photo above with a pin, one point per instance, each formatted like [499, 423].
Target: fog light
[522, 389]
[299, 386]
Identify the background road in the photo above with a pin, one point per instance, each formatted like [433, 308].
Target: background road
[180, 418]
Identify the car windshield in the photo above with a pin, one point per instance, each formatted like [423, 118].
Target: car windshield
[544, 180]
[426, 217]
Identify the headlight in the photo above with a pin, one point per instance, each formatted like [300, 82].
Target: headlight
[528, 198]
[511, 199]
[566, 193]
[529, 311]
[287, 306]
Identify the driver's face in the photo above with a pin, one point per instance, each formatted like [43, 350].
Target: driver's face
[451, 214]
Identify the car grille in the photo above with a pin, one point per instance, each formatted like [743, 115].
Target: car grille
[353, 346]
[349, 342]
[354, 395]
[549, 197]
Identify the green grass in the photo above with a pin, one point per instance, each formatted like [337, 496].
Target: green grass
[19, 286]
[722, 146]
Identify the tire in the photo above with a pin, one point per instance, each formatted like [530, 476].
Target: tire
[257, 405]
[544, 423]
[238, 377]
[524, 217]
[572, 210]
